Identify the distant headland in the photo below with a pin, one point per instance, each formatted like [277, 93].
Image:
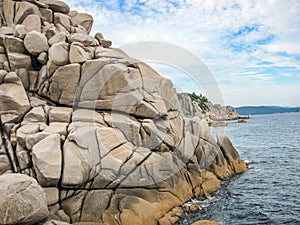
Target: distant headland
[256, 110]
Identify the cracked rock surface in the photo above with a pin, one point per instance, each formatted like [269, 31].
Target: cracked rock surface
[90, 135]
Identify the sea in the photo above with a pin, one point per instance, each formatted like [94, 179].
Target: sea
[269, 192]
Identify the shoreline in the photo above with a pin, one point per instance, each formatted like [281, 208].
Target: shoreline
[182, 214]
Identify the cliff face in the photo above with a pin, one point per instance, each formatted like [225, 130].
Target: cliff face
[214, 115]
[218, 113]
[100, 132]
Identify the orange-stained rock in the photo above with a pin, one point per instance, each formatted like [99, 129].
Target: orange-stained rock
[205, 222]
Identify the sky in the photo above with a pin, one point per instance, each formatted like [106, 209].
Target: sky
[250, 47]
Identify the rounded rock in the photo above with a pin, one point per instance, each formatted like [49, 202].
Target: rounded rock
[59, 53]
[57, 6]
[20, 31]
[22, 200]
[36, 42]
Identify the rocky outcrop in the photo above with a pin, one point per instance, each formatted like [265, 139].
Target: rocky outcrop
[233, 164]
[100, 132]
[215, 114]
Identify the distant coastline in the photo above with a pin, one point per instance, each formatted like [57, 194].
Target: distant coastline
[257, 110]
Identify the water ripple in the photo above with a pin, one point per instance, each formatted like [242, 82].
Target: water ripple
[269, 193]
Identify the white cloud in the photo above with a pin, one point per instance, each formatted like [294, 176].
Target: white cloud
[285, 95]
[219, 33]
[284, 46]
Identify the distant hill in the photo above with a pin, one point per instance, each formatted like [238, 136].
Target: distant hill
[254, 110]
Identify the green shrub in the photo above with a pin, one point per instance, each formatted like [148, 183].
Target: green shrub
[200, 99]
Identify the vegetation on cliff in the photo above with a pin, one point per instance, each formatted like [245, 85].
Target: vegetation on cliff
[199, 105]
[201, 100]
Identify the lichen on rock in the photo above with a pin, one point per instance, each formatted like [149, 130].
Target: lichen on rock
[102, 133]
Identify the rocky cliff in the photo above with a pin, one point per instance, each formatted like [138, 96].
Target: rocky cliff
[215, 114]
[89, 134]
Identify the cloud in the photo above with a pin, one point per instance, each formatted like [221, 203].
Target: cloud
[282, 47]
[245, 44]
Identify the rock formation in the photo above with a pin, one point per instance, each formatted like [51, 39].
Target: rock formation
[100, 132]
[205, 222]
[216, 115]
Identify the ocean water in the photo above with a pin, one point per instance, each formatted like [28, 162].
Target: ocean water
[269, 193]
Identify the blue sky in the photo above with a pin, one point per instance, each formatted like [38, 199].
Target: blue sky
[251, 47]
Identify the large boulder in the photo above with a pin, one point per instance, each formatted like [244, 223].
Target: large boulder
[57, 6]
[24, 9]
[87, 144]
[105, 43]
[64, 84]
[83, 39]
[60, 114]
[14, 102]
[98, 198]
[124, 89]
[36, 42]
[59, 37]
[19, 60]
[20, 31]
[36, 114]
[33, 22]
[8, 11]
[63, 20]
[232, 156]
[13, 44]
[59, 53]
[82, 19]
[80, 53]
[22, 200]
[47, 160]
